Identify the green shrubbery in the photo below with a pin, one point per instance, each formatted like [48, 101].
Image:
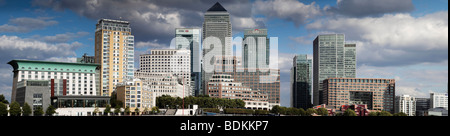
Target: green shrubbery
[202, 102]
[211, 110]
[238, 111]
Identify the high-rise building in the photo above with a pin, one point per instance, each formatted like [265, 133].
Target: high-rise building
[224, 86]
[377, 94]
[301, 82]
[254, 56]
[170, 61]
[350, 60]
[217, 24]
[76, 78]
[114, 51]
[405, 104]
[189, 39]
[438, 100]
[422, 106]
[332, 58]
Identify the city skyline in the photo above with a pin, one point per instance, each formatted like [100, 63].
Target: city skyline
[63, 31]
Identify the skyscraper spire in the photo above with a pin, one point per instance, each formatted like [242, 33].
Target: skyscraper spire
[217, 7]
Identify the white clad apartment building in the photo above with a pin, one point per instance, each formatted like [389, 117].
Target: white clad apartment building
[159, 84]
[438, 100]
[168, 61]
[405, 104]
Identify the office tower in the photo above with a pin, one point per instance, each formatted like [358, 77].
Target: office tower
[332, 58]
[301, 82]
[266, 82]
[256, 50]
[189, 39]
[224, 86]
[422, 106]
[377, 94]
[405, 104]
[114, 51]
[350, 60]
[438, 100]
[216, 24]
[170, 61]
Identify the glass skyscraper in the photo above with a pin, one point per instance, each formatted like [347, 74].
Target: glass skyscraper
[251, 47]
[189, 39]
[301, 82]
[332, 58]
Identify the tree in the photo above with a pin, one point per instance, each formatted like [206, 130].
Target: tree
[284, 110]
[50, 110]
[136, 111]
[107, 109]
[155, 110]
[400, 114]
[384, 113]
[373, 114]
[349, 112]
[3, 109]
[322, 111]
[301, 112]
[38, 111]
[276, 109]
[3, 100]
[14, 109]
[145, 111]
[26, 109]
[127, 110]
[310, 111]
[117, 110]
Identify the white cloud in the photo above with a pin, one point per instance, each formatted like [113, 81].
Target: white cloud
[25, 24]
[393, 39]
[150, 44]
[19, 48]
[241, 23]
[415, 92]
[361, 8]
[62, 59]
[290, 10]
[61, 38]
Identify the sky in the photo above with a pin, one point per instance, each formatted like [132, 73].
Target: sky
[405, 40]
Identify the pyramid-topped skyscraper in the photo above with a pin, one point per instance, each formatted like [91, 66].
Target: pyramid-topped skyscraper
[216, 24]
[217, 7]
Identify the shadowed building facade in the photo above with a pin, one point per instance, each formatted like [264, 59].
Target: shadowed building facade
[301, 82]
